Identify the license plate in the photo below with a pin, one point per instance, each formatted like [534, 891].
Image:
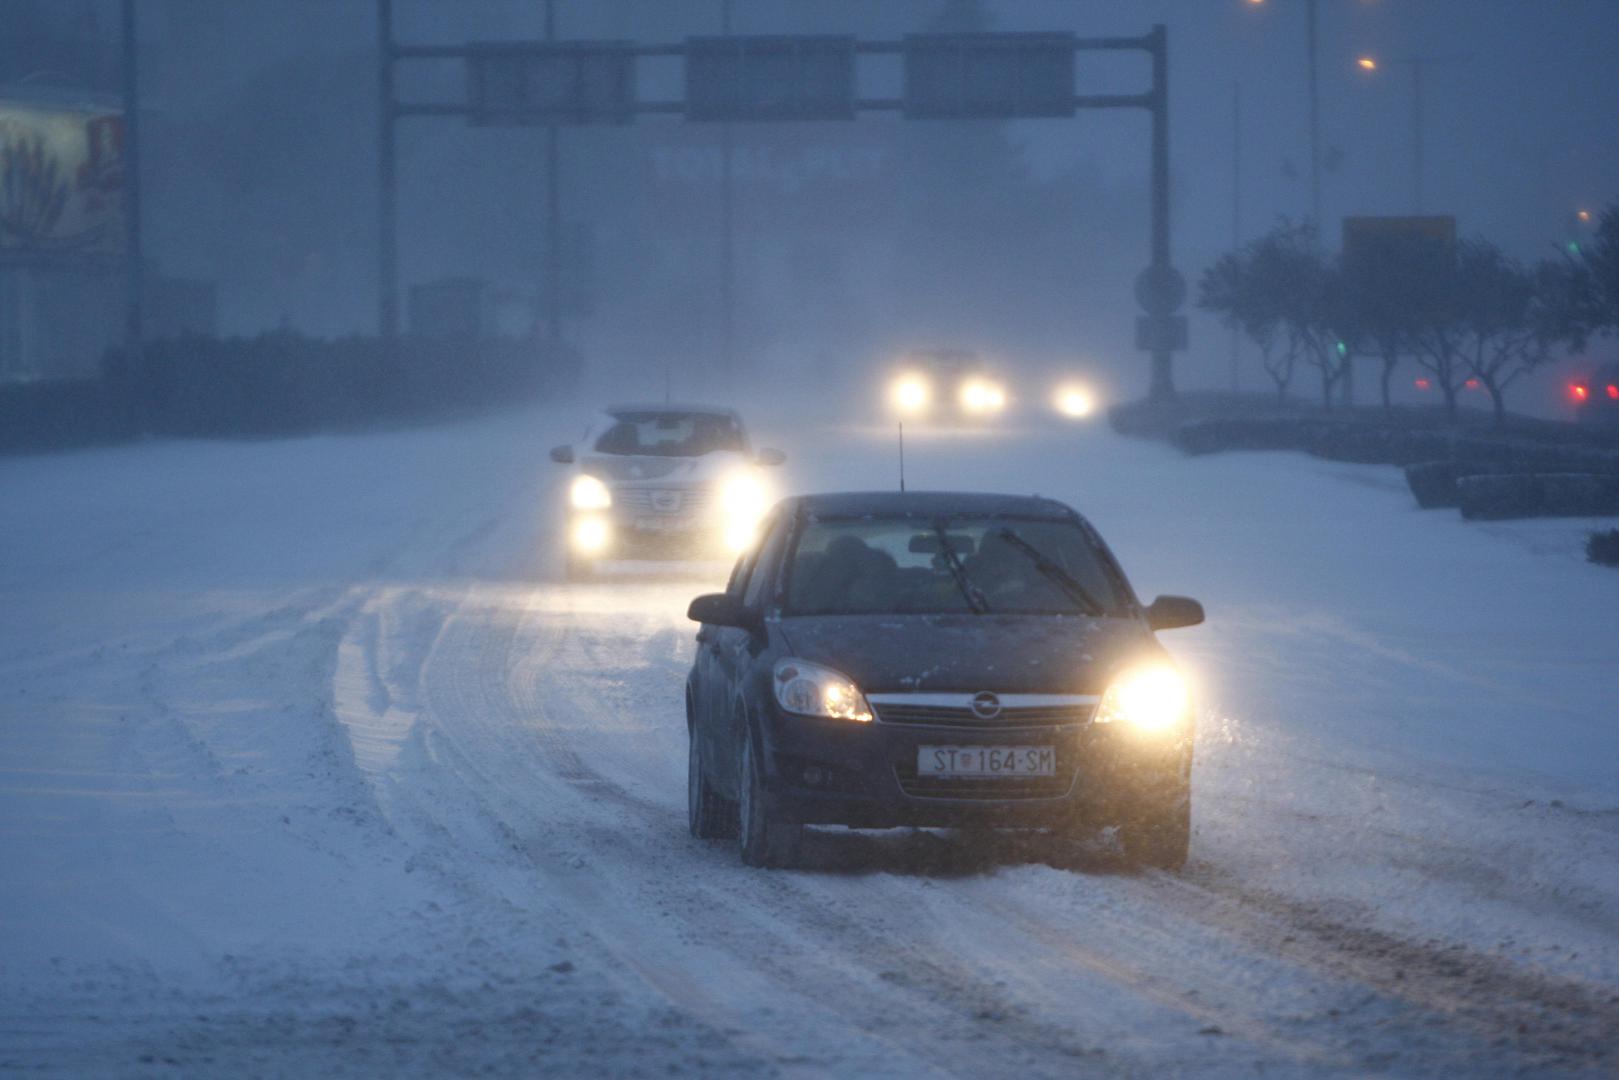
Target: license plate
[980, 761]
[665, 523]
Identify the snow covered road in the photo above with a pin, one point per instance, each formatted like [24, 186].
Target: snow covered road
[308, 764]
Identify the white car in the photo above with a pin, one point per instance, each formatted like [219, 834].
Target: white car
[663, 481]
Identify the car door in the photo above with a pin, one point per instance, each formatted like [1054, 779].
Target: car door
[711, 694]
[737, 651]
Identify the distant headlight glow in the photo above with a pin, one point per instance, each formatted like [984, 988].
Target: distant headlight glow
[589, 493]
[1150, 699]
[812, 690]
[982, 396]
[1075, 402]
[910, 393]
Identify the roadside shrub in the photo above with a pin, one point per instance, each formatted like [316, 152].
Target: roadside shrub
[1603, 547]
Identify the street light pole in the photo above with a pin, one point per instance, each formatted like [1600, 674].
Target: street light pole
[1417, 64]
[1315, 113]
[727, 254]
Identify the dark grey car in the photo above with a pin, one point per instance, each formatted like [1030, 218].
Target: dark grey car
[935, 659]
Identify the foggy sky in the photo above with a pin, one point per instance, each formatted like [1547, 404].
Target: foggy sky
[260, 168]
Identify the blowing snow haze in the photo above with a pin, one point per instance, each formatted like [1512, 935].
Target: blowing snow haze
[974, 538]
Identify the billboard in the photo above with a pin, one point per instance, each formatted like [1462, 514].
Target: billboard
[61, 180]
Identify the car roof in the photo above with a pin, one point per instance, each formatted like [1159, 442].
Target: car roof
[879, 503]
[676, 407]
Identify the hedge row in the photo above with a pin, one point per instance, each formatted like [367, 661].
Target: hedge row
[1530, 469]
[277, 384]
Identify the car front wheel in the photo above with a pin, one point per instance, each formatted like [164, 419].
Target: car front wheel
[1159, 833]
[709, 816]
[766, 841]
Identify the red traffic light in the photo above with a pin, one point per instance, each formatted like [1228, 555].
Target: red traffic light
[1424, 384]
[1613, 391]
[1471, 384]
[1579, 390]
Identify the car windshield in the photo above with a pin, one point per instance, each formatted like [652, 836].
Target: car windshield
[996, 565]
[671, 434]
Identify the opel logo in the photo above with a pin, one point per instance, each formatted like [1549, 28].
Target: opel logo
[985, 705]
[666, 501]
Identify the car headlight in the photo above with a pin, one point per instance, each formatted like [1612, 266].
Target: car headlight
[1149, 699]
[812, 690]
[589, 493]
[1075, 402]
[981, 395]
[910, 393]
[743, 500]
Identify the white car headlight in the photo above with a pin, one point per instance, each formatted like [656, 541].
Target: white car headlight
[981, 396]
[743, 500]
[812, 690]
[910, 393]
[1075, 402]
[589, 493]
[1149, 699]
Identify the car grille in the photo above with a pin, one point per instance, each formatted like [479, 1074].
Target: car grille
[961, 717]
[662, 500]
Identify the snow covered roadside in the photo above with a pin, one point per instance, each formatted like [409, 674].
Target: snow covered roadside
[194, 866]
[305, 765]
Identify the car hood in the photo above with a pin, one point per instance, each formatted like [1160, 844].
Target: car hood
[629, 468]
[1009, 654]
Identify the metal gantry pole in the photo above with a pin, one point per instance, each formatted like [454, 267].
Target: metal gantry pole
[387, 180]
[553, 209]
[727, 237]
[134, 263]
[1315, 112]
[1162, 386]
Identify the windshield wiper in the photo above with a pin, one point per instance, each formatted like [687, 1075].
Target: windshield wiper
[974, 595]
[1054, 573]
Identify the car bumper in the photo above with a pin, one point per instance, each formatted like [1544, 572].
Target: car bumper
[864, 775]
[652, 538]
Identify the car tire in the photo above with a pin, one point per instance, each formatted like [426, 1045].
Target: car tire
[765, 841]
[1159, 834]
[709, 816]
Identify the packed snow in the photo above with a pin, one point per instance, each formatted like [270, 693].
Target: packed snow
[310, 764]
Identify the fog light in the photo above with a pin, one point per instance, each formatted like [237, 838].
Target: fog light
[590, 535]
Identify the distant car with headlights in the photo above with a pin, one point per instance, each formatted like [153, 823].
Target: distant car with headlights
[936, 659]
[946, 385]
[660, 482]
[1596, 397]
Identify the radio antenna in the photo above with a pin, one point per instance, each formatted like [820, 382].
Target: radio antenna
[902, 456]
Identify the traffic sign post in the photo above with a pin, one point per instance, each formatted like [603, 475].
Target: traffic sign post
[775, 78]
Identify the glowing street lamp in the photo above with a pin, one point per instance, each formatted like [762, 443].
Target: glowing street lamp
[1371, 65]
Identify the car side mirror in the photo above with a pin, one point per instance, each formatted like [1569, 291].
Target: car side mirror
[1170, 612]
[723, 609]
[562, 455]
[769, 455]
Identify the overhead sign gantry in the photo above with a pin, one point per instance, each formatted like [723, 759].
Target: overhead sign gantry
[787, 78]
